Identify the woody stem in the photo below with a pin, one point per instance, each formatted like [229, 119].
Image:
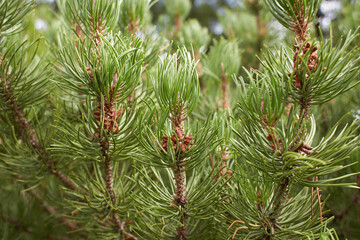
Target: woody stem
[180, 197]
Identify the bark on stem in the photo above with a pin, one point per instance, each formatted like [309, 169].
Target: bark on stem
[110, 188]
[304, 108]
[180, 197]
[108, 171]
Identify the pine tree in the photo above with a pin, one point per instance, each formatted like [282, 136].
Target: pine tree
[124, 132]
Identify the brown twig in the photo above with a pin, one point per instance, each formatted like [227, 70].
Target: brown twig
[133, 27]
[109, 187]
[281, 195]
[180, 199]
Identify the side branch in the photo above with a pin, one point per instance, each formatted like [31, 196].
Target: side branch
[26, 130]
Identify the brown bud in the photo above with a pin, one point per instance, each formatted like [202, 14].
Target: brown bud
[297, 82]
[314, 49]
[258, 194]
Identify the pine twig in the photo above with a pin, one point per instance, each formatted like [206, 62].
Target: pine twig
[111, 126]
[180, 200]
[109, 186]
[26, 130]
[224, 153]
[301, 28]
[180, 197]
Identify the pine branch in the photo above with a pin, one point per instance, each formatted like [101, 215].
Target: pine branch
[108, 170]
[301, 29]
[178, 11]
[300, 26]
[176, 89]
[26, 131]
[50, 209]
[133, 15]
[224, 152]
[110, 126]
[112, 65]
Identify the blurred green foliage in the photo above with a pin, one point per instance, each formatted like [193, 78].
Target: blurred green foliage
[251, 24]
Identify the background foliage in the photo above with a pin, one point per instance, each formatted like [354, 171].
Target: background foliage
[226, 38]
